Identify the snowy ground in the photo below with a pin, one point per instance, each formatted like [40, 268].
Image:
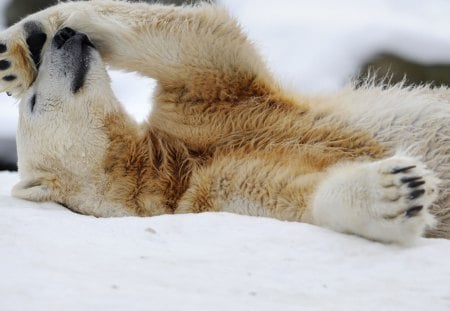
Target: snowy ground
[52, 259]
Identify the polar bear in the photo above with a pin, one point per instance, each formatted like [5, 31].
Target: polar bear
[223, 135]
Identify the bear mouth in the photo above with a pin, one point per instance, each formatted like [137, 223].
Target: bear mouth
[74, 49]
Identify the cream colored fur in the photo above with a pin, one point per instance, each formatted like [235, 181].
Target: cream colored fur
[223, 136]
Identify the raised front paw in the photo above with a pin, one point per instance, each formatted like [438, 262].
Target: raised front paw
[402, 193]
[20, 56]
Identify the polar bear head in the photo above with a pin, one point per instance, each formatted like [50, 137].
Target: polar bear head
[61, 138]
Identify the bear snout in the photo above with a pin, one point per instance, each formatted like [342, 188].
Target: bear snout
[67, 34]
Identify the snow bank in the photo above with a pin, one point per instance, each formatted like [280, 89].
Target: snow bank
[53, 259]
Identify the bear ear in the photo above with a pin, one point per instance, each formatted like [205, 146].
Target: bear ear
[33, 189]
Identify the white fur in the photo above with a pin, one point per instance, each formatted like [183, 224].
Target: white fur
[63, 135]
[241, 205]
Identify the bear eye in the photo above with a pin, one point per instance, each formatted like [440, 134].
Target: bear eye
[33, 102]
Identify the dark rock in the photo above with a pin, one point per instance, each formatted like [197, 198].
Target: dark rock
[391, 69]
[8, 154]
[18, 9]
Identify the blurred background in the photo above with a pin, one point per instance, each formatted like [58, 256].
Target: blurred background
[311, 46]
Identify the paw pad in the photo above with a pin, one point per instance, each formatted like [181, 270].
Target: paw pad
[20, 56]
[4, 64]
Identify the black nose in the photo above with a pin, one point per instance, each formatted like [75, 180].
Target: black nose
[63, 35]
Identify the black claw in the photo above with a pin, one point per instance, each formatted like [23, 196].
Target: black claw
[4, 64]
[416, 194]
[9, 78]
[2, 48]
[416, 184]
[413, 211]
[406, 180]
[402, 169]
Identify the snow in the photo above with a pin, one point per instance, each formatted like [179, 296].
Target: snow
[53, 259]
